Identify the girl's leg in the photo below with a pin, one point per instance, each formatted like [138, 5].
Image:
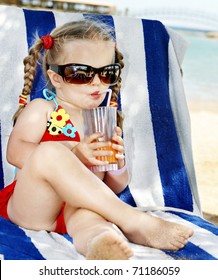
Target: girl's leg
[94, 237]
[54, 174]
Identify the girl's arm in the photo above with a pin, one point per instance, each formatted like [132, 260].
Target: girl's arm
[27, 132]
[117, 180]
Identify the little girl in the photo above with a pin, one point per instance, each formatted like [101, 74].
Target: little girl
[54, 189]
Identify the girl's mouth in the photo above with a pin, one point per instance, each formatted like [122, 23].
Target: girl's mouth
[96, 94]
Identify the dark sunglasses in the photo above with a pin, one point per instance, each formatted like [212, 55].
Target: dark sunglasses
[81, 74]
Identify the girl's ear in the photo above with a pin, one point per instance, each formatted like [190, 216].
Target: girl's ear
[54, 78]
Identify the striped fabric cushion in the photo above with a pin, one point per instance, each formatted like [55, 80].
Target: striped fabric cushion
[156, 129]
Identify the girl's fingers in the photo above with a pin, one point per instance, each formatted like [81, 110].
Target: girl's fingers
[96, 161]
[100, 144]
[118, 148]
[99, 153]
[117, 137]
[97, 146]
[119, 156]
[118, 140]
[93, 137]
[118, 131]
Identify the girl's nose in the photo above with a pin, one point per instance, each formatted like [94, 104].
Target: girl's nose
[96, 80]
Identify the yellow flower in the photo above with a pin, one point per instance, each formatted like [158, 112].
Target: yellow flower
[59, 118]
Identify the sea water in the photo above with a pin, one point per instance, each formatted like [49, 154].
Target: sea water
[200, 66]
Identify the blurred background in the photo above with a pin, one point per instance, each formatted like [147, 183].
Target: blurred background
[197, 22]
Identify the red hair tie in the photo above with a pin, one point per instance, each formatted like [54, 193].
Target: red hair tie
[113, 103]
[22, 100]
[47, 41]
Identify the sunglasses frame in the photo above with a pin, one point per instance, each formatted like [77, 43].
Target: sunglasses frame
[59, 69]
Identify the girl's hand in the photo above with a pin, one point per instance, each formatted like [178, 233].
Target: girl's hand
[118, 182]
[88, 149]
[118, 145]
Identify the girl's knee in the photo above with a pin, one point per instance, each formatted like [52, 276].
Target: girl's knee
[52, 151]
[49, 148]
[47, 154]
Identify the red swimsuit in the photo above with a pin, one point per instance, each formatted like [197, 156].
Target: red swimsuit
[59, 128]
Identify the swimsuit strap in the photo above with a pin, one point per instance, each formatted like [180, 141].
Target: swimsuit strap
[50, 95]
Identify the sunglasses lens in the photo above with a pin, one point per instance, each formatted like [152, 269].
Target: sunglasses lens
[110, 74]
[77, 74]
[80, 74]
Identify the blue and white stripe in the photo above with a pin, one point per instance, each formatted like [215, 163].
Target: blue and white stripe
[156, 130]
[43, 245]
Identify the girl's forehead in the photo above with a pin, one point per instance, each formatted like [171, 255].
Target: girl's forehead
[83, 51]
[88, 44]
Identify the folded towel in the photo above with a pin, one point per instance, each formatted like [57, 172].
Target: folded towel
[21, 244]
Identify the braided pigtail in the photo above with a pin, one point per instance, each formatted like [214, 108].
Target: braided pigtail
[30, 63]
[116, 88]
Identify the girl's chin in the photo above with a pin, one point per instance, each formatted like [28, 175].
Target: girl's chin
[93, 106]
[95, 102]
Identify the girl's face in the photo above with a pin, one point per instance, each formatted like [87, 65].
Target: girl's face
[93, 53]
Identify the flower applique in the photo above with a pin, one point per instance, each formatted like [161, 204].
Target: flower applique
[53, 129]
[69, 130]
[59, 127]
[60, 124]
[59, 117]
[58, 120]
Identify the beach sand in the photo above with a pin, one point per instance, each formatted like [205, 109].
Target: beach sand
[204, 125]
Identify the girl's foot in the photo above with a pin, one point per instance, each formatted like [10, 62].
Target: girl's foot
[154, 232]
[108, 245]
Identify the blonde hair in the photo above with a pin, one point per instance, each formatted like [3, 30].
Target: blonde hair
[83, 29]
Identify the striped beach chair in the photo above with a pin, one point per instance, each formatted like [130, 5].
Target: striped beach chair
[156, 131]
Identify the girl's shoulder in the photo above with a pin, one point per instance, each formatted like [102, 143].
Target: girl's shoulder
[41, 102]
[40, 106]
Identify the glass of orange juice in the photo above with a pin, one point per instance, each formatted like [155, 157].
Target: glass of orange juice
[102, 119]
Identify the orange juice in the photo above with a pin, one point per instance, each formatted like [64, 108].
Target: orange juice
[110, 159]
[103, 119]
